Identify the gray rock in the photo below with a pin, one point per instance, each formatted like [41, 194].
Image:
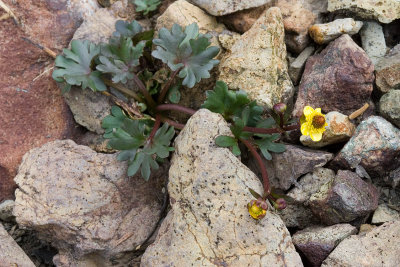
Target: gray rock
[83, 202]
[344, 199]
[375, 146]
[297, 66]
[339, 129]
[10, 253]
[393, 178]
[379, 247]
[389, 106]
[388, 71]
[6, 210]
[324, 33]
[297, 215]
[285, 168]
[208, 223]
[340, 78]
[317, 242]
[383, 10]
[373, 41]
[257, 62]
[385, 214]
[223, 7]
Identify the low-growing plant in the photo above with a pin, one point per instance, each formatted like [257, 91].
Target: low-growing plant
[146, 6]
[139, 126]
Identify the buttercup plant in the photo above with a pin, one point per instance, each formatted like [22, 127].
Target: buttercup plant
[138, 125]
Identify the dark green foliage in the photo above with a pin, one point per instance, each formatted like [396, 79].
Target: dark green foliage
[228, 141]
[266, 144]
[186, 50]
[75, 66]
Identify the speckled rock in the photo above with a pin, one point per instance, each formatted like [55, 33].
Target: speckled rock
[223, 7]
[389, 106]
[87, 206]
[208, 223]
[340, 78]
[375, 146]
[344, 199]
[379, 247]
[383, 10]
[339, 129]
[52, 23]
[227, 39]
[257, 62]
[317, 242]
[373, 41]
[296, 67]
[10, 253]
[285, 168]
[388, 71]
[385, 214]
[324, 33]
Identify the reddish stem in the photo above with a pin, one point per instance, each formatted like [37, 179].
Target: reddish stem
[272, 130]
[261, 165]
[176, 125]
[175, 107]
[156, 126]
[144, 91]
[166, 87]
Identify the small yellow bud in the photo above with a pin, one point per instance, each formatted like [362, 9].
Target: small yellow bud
[257, 208]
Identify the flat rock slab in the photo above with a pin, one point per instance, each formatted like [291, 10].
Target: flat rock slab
[340, 78]
[10, 253]
[209, 224]
[223, 7]
[257, 62]
[379, 247]
[83, 202]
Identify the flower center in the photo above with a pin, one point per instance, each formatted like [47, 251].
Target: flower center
[318, 121]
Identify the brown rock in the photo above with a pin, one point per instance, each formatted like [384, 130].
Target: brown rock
[32, 110]
[339, 79]
[242, 21]
[344, 199]
[52, 23]
[388, 71]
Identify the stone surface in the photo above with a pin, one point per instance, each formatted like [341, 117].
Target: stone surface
[32, 110]
[388, 71]
[298, 16]
[223, 7]
[52, 23]
[227, 39]
[297, 215]
[10, 253]
[324, 33]
[383, 10]
[257, 62]
[385, 214]
[6, 210]
[242, 21]
[87, 206]
[317, 242]
[344, 199]
[375, 146]
[373, 41]
[339, 129]
[208, 223]
[389, 106]
[379, 247]
[340, 78]
[393, 178]
[297, 66]
[285, 168]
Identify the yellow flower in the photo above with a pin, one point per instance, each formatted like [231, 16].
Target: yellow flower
[257, 208]
[313, 123]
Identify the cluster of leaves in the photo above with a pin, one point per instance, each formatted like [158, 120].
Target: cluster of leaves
[238, 109]
[146, 6]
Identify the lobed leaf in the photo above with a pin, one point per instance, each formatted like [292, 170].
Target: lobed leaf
[266, 144]
[146, 6]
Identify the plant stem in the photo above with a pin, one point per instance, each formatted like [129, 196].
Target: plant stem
[261, 165]
[123, 89]
[144, 91]
[166, 86]
[271, 130]
[156, 126]
[176, 125]
[175, 107]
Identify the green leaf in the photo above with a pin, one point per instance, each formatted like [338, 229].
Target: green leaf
[115, 120]
[146, 6]
[254, 193]
[188, 50]
[127, 29]
[225, 141]
[135, 165]
[266, 145]
[74, 67]
[174, 96]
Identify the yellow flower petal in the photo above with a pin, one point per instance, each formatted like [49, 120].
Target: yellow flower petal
[308, 111]
[305, 129]
[318, 110]
[316, 136]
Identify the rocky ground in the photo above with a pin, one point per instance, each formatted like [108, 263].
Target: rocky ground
[65, 200]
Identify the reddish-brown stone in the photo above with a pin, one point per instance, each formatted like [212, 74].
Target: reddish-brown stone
[340, 78]
[242, 21]
[32, 110]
